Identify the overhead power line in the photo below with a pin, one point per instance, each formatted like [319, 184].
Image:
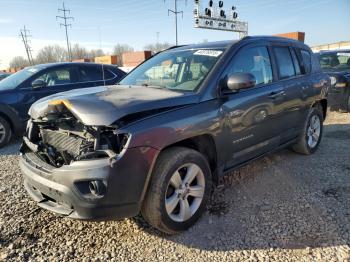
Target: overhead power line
[66, 18]
[24, 33]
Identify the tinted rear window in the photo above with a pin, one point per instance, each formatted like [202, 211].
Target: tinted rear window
[284, 62]
[90, 73]
[306, 60]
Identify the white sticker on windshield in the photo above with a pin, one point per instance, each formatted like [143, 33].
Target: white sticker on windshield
[207, 52]
[343, 54]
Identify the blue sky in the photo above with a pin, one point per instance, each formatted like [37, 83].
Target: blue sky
[136, 22]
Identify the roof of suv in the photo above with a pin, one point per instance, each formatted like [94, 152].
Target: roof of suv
[48, 65]
[227, 43]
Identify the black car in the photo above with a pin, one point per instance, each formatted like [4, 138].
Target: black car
[20, 90]
[175, 125]
[337, 65]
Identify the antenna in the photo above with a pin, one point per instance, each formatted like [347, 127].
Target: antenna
[65, 18]
[25, 36]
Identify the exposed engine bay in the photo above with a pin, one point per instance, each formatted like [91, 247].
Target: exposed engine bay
[59, 139]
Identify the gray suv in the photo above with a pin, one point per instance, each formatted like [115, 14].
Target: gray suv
[157, 142]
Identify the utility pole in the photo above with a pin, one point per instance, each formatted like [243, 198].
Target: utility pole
[175, 12]
[157, 37]
[99, 36]
[66, 18]
[24, 34]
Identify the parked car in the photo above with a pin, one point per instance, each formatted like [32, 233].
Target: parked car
[4, 75]
[175, 125]
[20, 90]
[336, 64]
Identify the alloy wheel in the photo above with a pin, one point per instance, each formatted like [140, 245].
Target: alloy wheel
[185, 192]
[2, 132]
[314, 131]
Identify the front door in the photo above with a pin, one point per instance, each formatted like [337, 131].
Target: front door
[57, 80]
[252, 119]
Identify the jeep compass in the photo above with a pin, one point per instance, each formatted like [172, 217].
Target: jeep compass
[158, 141]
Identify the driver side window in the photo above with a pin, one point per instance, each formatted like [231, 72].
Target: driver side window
[56, 77]
[253, 60]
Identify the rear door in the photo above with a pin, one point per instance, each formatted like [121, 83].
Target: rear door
[253, 119]
[294, 84]
[96, 75]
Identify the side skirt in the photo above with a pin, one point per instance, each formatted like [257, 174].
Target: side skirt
[230, 171]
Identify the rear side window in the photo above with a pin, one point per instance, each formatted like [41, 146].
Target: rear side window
[306, 61]
[90, 73]
[284, 62]
[256, 61]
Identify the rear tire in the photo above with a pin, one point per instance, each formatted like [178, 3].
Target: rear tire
[5, 132]
[311, 135]
[179, 190]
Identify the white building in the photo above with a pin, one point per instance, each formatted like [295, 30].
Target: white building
[334, 46]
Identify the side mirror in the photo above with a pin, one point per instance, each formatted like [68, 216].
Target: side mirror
[238, 81]
[38, 83]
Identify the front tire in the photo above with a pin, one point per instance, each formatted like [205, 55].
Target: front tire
[5, 132]
[311, 135]
[179, 190]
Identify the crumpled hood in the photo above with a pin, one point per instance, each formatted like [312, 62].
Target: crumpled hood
[102, 106]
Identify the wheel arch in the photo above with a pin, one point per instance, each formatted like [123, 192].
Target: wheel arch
[323, 104]
[8, 119]
[204, 144]
[11, 116]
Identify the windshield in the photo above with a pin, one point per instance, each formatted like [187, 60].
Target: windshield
[335, 61]
[175, 69]
[12, 81]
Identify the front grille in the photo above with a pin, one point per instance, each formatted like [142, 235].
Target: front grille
[62, 142]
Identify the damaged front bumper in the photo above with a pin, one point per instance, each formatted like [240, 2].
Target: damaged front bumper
[67, 189]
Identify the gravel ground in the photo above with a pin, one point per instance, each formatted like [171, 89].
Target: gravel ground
[284, 207]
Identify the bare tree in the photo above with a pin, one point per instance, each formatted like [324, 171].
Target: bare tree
[157, 47]
[119, 49]
[79, 52]
[50, 54]
[18, 62]
[95, 52]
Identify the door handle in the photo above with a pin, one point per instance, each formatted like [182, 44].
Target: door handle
[275, 94]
